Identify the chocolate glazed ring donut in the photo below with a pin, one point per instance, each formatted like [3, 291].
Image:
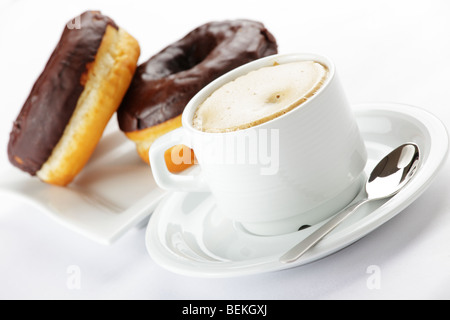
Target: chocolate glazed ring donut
[72, 101]
[163, 85]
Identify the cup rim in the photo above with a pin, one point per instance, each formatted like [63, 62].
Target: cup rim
[203, 94]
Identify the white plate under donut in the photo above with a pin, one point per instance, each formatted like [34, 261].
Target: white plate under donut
[113, 193]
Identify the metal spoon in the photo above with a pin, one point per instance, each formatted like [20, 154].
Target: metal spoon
[388, 177]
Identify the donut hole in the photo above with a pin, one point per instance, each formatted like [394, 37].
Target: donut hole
[192, 54]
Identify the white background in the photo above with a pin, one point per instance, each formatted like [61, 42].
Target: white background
[396, 51]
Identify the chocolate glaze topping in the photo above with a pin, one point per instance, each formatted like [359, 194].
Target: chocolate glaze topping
[163, 85]
[54, 96]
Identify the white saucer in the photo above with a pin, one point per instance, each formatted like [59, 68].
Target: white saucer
[114, 192]
[188, 236]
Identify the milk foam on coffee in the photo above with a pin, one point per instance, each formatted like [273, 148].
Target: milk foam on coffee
[259, 96]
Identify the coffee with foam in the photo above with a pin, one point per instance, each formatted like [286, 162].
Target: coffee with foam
[259, 96]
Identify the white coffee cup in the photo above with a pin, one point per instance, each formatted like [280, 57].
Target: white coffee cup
[297, 169]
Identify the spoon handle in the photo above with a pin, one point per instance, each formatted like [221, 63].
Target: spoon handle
[298, 250]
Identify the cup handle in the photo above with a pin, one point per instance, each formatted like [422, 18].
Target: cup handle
[163, 177]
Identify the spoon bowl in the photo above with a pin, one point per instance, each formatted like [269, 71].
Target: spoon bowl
[393, 172]
[387, 178]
